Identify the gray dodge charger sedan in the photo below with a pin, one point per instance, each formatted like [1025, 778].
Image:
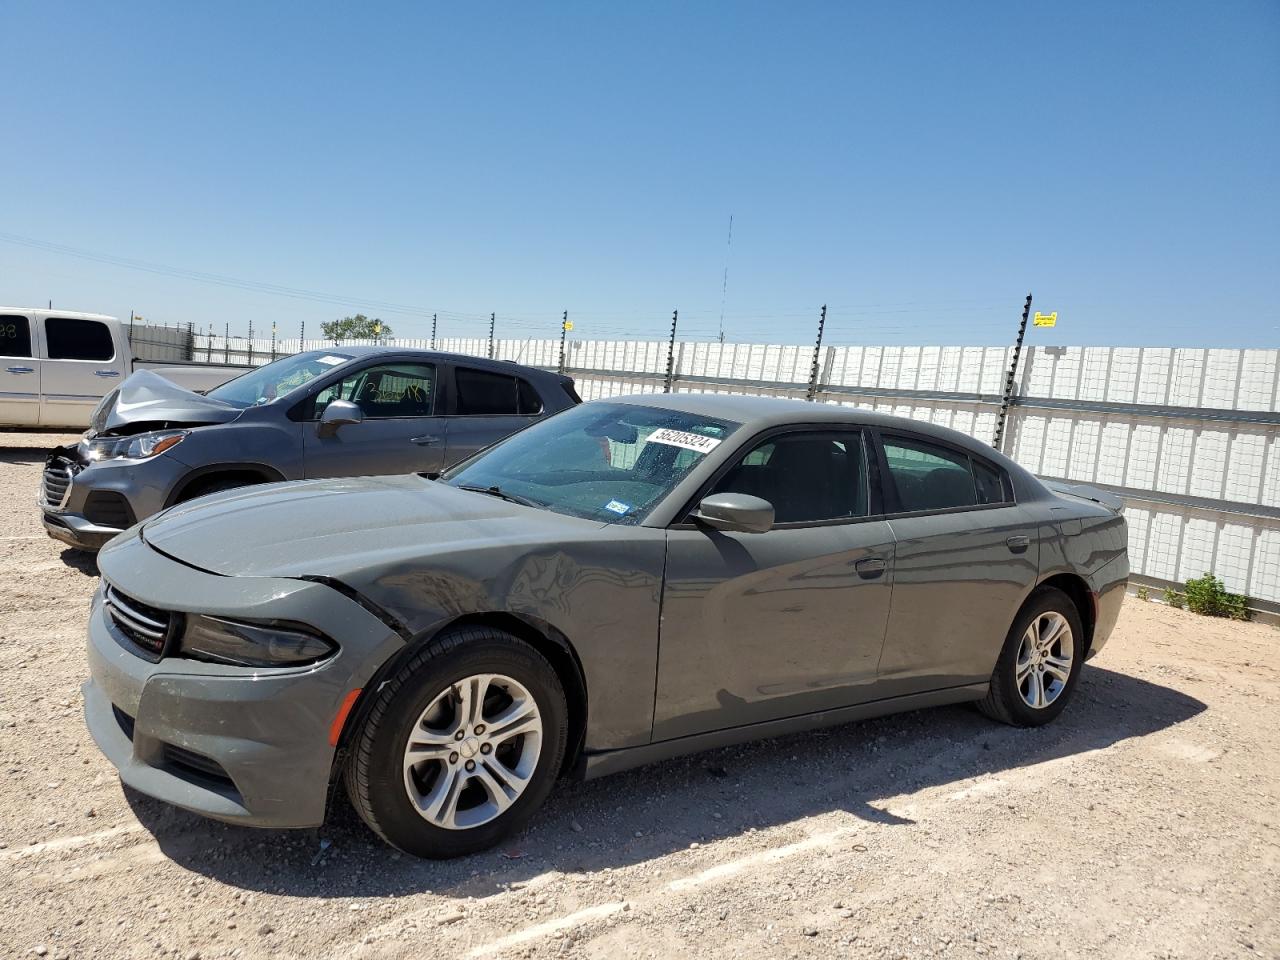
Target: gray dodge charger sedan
[344, 412]
[625, 581]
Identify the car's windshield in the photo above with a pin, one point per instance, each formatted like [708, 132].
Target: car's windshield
[276, 379]
[603, 461]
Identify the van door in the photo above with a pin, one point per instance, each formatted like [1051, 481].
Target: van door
[19, 372]
[81, 365]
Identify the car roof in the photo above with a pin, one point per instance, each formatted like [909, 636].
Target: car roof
[387, 350]
[761, 413]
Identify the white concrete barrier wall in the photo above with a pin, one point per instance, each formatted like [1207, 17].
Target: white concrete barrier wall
[1160, 457]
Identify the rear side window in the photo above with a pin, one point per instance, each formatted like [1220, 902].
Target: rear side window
[73, 339]
[990, 483]
[932, 477]
[15, 336]
[481, 393]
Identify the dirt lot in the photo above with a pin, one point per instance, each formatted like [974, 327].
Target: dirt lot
[1143, 824]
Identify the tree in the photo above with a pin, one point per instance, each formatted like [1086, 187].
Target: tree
[358, 327]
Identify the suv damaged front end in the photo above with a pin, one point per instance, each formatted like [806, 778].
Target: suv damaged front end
[123, 469]
[218, 694]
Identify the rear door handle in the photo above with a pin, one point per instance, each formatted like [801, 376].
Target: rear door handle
[1018, 544]
[425, 441]
[106, 373]
[21, 369]
[870, 567]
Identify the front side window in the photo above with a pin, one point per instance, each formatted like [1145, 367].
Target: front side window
[612, 462]
[15, 336]
[278, 379]
[386, 391]
[69, 338]
[932, 477]
[808, 477]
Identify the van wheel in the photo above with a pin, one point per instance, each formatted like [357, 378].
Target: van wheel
[461, 745]
[1040, 663]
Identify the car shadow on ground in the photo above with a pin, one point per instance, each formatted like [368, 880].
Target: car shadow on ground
[643, 814]
[82, 560]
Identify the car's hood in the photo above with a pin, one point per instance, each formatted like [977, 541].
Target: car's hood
[148, 398]
[330, 528]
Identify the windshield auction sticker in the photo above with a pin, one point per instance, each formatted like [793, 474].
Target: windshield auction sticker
[331, 361]
[678, 438]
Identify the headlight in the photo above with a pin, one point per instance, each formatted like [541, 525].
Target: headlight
[252, 645]
[138, 447]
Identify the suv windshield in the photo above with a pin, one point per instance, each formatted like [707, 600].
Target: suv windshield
[602, 461]
[278, 378]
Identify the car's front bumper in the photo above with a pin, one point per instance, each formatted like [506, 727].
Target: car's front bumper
[244, 745]
[87, 504]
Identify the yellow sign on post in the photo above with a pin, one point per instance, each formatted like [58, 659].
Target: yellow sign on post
[1045, 319]
[568, 325]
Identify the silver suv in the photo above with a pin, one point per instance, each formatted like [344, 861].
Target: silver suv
[349, 411]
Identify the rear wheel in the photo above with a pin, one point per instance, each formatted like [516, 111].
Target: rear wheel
[1040, 663]
[461, 746]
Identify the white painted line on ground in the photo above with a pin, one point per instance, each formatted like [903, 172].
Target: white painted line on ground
[548, 928]
[70, 843]
[734, 867]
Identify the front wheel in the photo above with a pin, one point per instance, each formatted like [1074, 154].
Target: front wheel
[1040, 663]
[461, 745]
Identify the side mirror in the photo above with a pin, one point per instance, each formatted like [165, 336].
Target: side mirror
[738, 512]
[336, 414]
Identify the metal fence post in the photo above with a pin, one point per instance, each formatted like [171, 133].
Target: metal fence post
[226, 344]
[491, 320]
[273, 340]
[564, 330]
[671, 354]
[1013, 372]
[433, 331]
[302, 336]
[250, 343]
[817, 351]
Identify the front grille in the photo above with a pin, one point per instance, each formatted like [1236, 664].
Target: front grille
[106, 508]
[58, 474]
[149, 628]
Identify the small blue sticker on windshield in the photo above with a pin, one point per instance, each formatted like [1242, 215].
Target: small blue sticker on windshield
[618, 507]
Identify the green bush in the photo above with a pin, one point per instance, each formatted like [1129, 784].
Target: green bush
[1143, 593]
[1206, 595]
[1172, 597]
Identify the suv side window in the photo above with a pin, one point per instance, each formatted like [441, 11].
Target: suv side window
[70, 338]
[481, 393]
[808, 476]
[932, 477]
[15, 336]
[385, 391]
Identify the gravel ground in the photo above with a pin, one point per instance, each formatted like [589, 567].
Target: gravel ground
[1142, 824]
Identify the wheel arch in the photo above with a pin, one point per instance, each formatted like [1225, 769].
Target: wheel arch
[254, 472]
[1077, 588]
[542, 636]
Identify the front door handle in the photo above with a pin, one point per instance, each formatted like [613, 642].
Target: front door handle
[21, 369]
[870, 567]
[1018, 544]
[106, 373]
[425, 441]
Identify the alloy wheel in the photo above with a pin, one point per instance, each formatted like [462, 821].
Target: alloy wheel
[472, 751]
[1044, 660]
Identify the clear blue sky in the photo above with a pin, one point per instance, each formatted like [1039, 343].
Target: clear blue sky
[918, 166]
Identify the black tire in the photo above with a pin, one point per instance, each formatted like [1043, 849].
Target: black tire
[374, 772]
[1004, 700]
